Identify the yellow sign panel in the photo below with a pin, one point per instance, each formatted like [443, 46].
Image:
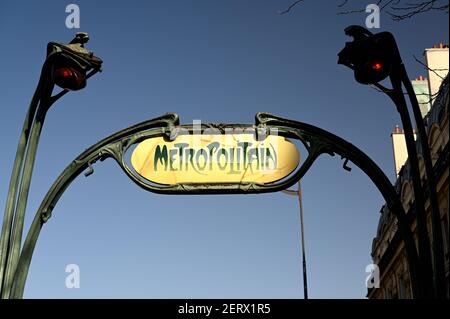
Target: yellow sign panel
[215, 158]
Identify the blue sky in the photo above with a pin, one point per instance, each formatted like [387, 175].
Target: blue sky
[216, 61]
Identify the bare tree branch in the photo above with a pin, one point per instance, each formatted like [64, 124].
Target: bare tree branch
[342, 4]
[290, 7]
[409, 10]
[398, 10]
[429, 69]
[379, 3]
[382, 89]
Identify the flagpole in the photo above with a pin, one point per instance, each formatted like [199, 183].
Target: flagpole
[298, 193]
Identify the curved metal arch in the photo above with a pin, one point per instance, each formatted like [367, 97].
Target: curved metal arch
[316, 140]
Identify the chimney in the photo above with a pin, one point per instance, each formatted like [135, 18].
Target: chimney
[437, 61]
[399, 149]
[421, 88]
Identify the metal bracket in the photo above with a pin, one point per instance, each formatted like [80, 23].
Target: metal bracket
[89, 171]
[345, 166]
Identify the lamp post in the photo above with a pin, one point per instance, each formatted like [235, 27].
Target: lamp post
[437, 238]
[374, 57]
[67, 66]
[298, 193]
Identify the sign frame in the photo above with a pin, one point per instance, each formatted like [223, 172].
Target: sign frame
[170, 124]
[316, 141]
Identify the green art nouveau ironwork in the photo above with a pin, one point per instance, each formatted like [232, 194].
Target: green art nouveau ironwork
[72, 55]
[381, 48]
[15, 262]
[316, 141]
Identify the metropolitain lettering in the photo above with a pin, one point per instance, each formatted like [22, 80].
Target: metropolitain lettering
[234, 160]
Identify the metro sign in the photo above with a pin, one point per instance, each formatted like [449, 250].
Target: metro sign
[215, 158]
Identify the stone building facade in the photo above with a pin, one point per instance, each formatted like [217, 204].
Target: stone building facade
[388, 252]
